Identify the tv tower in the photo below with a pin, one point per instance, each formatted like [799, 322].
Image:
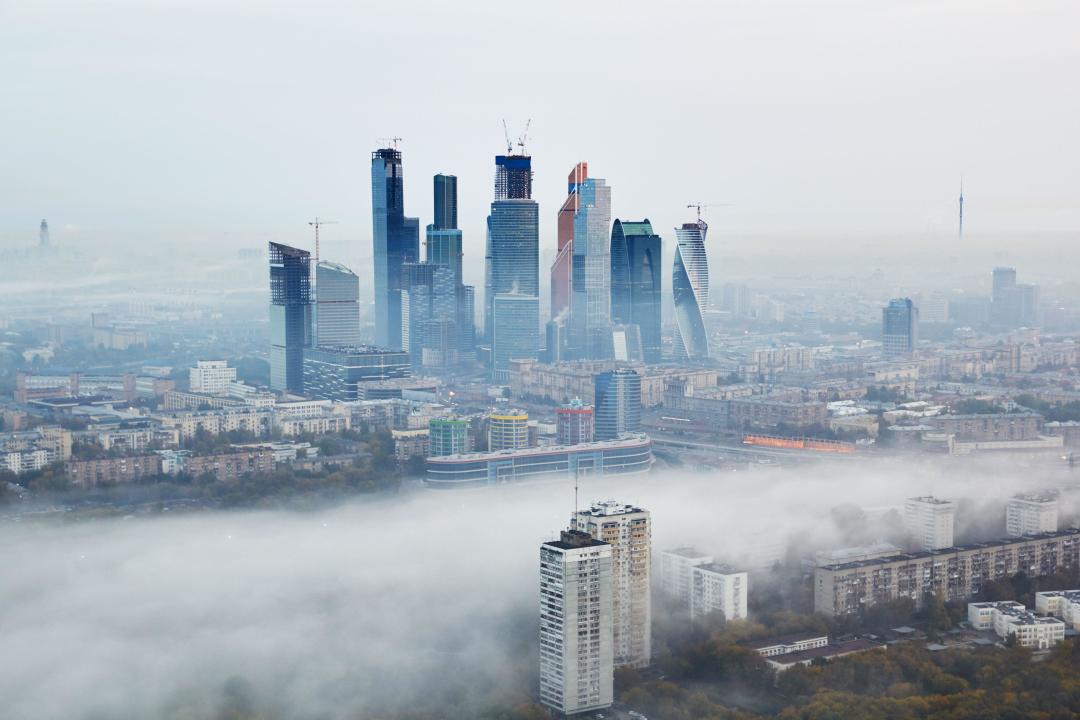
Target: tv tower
[960, 231]
[43, 235]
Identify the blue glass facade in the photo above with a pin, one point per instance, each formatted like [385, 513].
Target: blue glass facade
[690, 290]
[900, 327]
[516, 333]
[290, 316]
[396, 241]
[617, 404]
[590, 273]
[513, 255]
[636, 254]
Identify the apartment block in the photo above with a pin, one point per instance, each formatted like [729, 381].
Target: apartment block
[715, 587]
[675, 571]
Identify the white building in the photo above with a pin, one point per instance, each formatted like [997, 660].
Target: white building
[717, 587]
[211, 377]
[785, 644]
[1064, 604]
[1031, 514]
[628, 530]
[20, 461]
[929, 521]
[577, 661]
[675, 567]
[1011, 618]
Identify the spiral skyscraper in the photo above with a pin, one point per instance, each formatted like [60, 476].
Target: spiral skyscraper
[690, 288]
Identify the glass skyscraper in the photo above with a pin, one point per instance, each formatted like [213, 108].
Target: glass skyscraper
[516, 334]
[444, 247]
[617, 403]
[290, 316]
[337, 305]
[900, 328]
[430, 305]
[396, 240]
[635, 282]
[590, 273]
[560, 268]
[690, 290]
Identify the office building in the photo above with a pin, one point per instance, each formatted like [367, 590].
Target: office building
[590, 273]
[574, 423]
[516, 335]
[617, 404]
[290, 316]
[625, 344]
[1007, 618]
[636, 254]
[629, 455]
[958, 573]
[448, 436]
[1064, 604]
[560, 268]
[675, 572]
[396, 241]
[576, 651]
[444, 247]
[508, 430]
[513, 252]
[717, 588]
[211, 377]
[429, 315]
[446, 203]
[690, 291]
[1012, 304]
[337, 373]
[1031, 514]
[899, 328]
[628, 530]
[337, 305]
[929, 522]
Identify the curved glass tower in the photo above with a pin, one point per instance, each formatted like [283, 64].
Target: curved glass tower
[690, 288]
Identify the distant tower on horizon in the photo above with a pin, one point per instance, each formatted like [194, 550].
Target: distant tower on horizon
[960, 231]
[43, 235]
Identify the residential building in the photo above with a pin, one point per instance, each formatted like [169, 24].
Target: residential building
[929, 522]
[576, 646]
[718, 588]
[516, 335]
[337, 305]
[508, 430]
[560, 268]
[1009, 618]
[617, 403]
[1031, 514]
[690, 291]
[211, 377]
[21, 461]
[339, 372]
[562, 382]
[410, 443]
[628, 530]
[396, 241]
[988, 427]
[636, 257]
[574, 423]
[1064, 604]
[590, 273]
[448, 436]
[112, 471]
[899, 328]
[676, 567]
[231, 466]
[290, 316]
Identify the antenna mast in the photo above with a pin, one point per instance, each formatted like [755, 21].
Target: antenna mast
[960, 230]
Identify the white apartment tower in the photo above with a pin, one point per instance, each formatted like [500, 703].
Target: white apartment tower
[576, 651]
[1031, 514]
[717, 587]
[211, 376]
[628, 530]
[929, 522]
[675, 568]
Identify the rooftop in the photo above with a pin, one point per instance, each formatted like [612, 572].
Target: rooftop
[790, 639]
[691, 553]
[830, 650]
[606, 508]
[719, 568]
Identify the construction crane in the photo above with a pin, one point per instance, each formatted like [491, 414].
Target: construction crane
[699, 205]
[388, 141]
[317, 223]
[521, 138]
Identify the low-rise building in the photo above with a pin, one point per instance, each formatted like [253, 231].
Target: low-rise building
[835, 649]
[785, 644]
[1013, 619]
[1064, 604]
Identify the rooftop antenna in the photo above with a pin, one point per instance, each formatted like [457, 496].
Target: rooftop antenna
[960, 230]
[576, 473]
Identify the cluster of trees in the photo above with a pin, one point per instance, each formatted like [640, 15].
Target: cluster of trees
[1060, 412]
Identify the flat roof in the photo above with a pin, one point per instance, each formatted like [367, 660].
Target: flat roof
[826, 651]
[784, 639]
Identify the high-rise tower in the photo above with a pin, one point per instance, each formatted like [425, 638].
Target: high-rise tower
[690, 290]
[337, 305]
[635, 282]
[899, 328]
[444, 247]
[560, 268]
[617, 403]
[396, 241]
[290, 316]
[43, 235]
[590, 273]
[960, 230]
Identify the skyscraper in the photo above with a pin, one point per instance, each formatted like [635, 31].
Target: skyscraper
[396, 241]
[429, 312]
[513, 257]
[290, 316]
[560, 268]
[515, 334]
[617, 405]
[337, 305]
[43, 235]
[628, 530]
[690, 291]
[445, 201]
[635, 282]
[590, 272]
[576, 647]
[444, 247]
[899, 328]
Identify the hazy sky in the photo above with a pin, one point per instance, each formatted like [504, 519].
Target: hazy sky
[235, 122]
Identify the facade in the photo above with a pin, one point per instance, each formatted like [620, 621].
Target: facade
[929, 522]
[337, 305]
[1031, 514]
[516, 334]
[257, 421]
[211, 376]
[562, 382]
[717, 588]
[629, 455]
[690, 291]
[590, 273]
[988, 427]
[290, 316]
[112, 471]
[574, 423]
[1009, 618]
[513, 244]
[1012, 304]
[508, 430]
[231, 466]
[430, 315]
[636, 255]
[628, 530]
[396, 241]
[784, 644]
[337, 373]
[899, 328]
[676, 567]
[617, 403]
[958, 573]
[444, 247]
[576, 649]
[560, 268]
[1064, 604]
[448, 436]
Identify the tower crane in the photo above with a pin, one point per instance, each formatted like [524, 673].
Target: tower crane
[389, 141]
[699, 205]
[317, 223]
[521, 138]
